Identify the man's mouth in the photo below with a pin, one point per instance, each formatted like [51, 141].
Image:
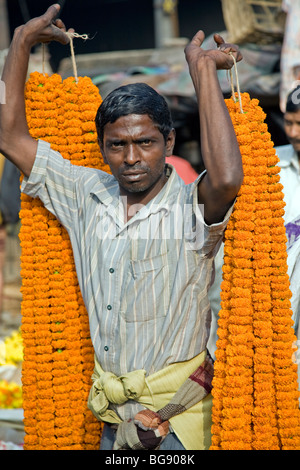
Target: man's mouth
[133, 175]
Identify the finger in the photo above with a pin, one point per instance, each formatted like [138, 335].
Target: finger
[218, 40]
[59, 31]
[60, 24]
[52, 12]
[198, 38]
[231, 48]
[239, 56]
[61, 36]
[236, 54]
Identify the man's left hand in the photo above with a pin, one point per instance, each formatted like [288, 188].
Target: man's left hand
[221, 56]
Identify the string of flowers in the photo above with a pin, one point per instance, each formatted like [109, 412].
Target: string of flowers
[255, 390]
[58, 353]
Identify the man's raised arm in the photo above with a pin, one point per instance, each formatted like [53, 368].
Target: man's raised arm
[219, 146]
[15, 141]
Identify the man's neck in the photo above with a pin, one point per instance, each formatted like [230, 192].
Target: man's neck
[136, 200]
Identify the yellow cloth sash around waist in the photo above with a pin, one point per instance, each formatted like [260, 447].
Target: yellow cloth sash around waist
[192, 427]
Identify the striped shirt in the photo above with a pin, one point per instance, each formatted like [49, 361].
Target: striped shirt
[290, 179]
[144, 282]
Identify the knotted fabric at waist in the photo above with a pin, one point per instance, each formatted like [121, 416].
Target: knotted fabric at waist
[108, 388]
[169, 392]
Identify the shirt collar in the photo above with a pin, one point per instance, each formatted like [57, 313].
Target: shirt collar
[288, 157]
[163, 200]
[292, 161]
[106, 190]
[295, 162]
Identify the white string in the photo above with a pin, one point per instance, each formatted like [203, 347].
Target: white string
[43, 57]
[76, 35]
[232, 86]
[71, 36]
[237, 82]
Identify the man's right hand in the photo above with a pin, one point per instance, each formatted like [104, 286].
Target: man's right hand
[15, 141]
[45, 28]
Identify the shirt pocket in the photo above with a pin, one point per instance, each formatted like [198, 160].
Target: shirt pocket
[146, 294]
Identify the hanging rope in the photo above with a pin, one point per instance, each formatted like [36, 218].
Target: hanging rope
[71, 36]
[237, 83]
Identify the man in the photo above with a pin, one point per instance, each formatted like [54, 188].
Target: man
[144, 288]
[289, 156]
[290, 51]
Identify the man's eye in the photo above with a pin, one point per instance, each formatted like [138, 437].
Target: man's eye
[146, 142]
[116, 144]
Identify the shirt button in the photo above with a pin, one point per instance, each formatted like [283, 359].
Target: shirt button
[106, 348]
[109, 307]
[111, 270]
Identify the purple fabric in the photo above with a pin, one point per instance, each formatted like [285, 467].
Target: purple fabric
[292, 232]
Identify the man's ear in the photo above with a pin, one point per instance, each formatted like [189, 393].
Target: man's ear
[102, 152]
[170, 143]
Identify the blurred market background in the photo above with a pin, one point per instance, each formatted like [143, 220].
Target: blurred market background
[143, 40]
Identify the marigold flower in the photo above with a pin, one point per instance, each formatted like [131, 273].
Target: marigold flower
[255, 391]
[56, 368]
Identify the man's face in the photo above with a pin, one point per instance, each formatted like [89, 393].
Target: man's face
[135, 150]
[292, 129]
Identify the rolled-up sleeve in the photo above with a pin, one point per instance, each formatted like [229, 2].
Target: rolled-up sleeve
[53, 180]
[212, 234]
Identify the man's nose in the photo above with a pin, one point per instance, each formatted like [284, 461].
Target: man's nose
[294, 130]
[131, 154]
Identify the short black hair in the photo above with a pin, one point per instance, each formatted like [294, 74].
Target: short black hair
[135, 98]
[293, 100]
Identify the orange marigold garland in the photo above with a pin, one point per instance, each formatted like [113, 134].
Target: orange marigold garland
[255, 390]
[58, 353]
